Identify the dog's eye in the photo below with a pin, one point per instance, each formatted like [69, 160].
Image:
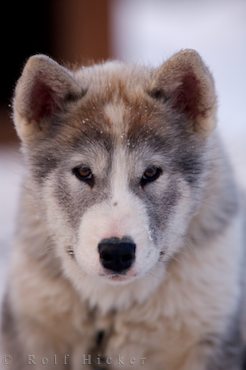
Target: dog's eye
[150, 174]
[84, 173]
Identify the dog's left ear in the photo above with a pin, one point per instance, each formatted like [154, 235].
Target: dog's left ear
[43, 90]
[186, 84]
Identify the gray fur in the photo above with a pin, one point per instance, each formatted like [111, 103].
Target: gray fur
[118, 120]
[228, 350]
[12, 346]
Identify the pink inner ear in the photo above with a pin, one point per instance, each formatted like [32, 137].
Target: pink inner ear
[188, 96]
[42, 100]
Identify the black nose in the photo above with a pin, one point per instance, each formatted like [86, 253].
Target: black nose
[117, 254]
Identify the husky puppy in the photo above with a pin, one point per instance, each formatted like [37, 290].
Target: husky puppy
[129, 244]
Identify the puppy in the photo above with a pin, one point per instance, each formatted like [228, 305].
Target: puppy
[129, 249]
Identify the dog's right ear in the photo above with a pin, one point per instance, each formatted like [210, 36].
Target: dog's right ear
[187, 86]
[41, 92]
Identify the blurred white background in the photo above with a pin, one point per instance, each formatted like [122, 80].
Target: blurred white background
[11, 172]
[149, 31]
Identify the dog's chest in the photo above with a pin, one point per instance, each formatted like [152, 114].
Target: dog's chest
[134, 339]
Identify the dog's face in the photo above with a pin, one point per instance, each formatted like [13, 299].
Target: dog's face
[116, 157]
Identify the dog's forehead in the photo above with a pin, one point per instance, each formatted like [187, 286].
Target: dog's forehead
[114, 76]
[117, 94]
[117, 105]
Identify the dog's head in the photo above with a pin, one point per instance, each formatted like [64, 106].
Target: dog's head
[116, 156]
